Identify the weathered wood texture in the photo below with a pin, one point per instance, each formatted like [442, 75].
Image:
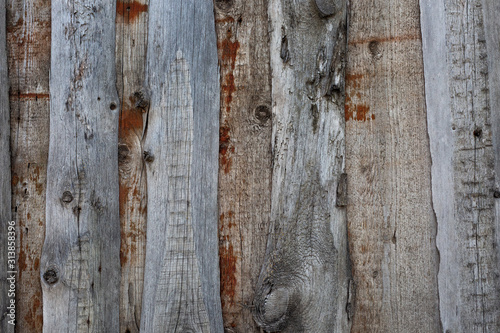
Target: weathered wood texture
[491, 10]
[244, 155]
[390, 218]
[181, 283]
[460, 116]
[28, 36]
[5, 177]
[303, 284]
[80, 264]
[131, 41]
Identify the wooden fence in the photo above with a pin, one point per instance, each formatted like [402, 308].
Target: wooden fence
[250, 166]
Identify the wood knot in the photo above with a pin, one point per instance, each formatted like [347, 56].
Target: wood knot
[141, 100]
[478, 132]
[496, 194]
[271, 308]
[50, 276]
[326, 7]
[112, 106]
[67, 197]
[148, 157]
[224, 4]
[262, 113]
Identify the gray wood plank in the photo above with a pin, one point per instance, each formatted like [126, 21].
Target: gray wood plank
[491, 10]
[303, 285]
[244, 155]
[461, 74]
[5, 182]
[28, 36]
[391, 222]
[131, 43]
[80, 264]
[181, 284]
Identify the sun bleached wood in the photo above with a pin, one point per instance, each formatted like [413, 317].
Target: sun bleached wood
[244, 155]
[457, 61]
[303, 284]
[28, 36]
[181, 282]
[80, 264]
[390, 216]
[131, 41]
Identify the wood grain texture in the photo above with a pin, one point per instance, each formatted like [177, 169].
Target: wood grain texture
[181, 283]
[28, 36]
[456, 59]
[391, 222]
[80, 264]
[304, 280]
[131, 42]
[491, 12]
[5, 177]
[244, 155]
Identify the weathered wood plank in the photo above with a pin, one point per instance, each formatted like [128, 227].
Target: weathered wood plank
[131, 40]
[28, 36]
[463, 160]
[80, 264]
[303, 285]
[491, 10]
[391, 222]
[5, 180]
[181, 283]
[244, 155]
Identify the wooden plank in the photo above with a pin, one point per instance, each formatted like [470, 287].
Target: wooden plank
[181, 283]
[131, 40]
[5, 188]
[461, 111]
[244, 155]
[28, 36]
[303, 285]
[80, 264]
[491, 12]
[391, 221]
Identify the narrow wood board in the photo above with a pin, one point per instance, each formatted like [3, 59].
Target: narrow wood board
[181, 283]
[5, 182]
[80, 264]
[131, 42]
[244, 155]
[303, 284]
[460, 117]
[390, 216]
[28, 44]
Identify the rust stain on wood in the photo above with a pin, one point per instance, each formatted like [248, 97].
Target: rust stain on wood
[225, 145]
[130, 10]
[229, 50]
[34, 317]
[28, 96]
[227, 263]
[355, 108]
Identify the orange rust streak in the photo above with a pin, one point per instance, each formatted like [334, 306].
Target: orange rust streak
[228, 58]
[130, 122]
[130, 10]
[385, 39]
[228, 273]
[25, 96]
